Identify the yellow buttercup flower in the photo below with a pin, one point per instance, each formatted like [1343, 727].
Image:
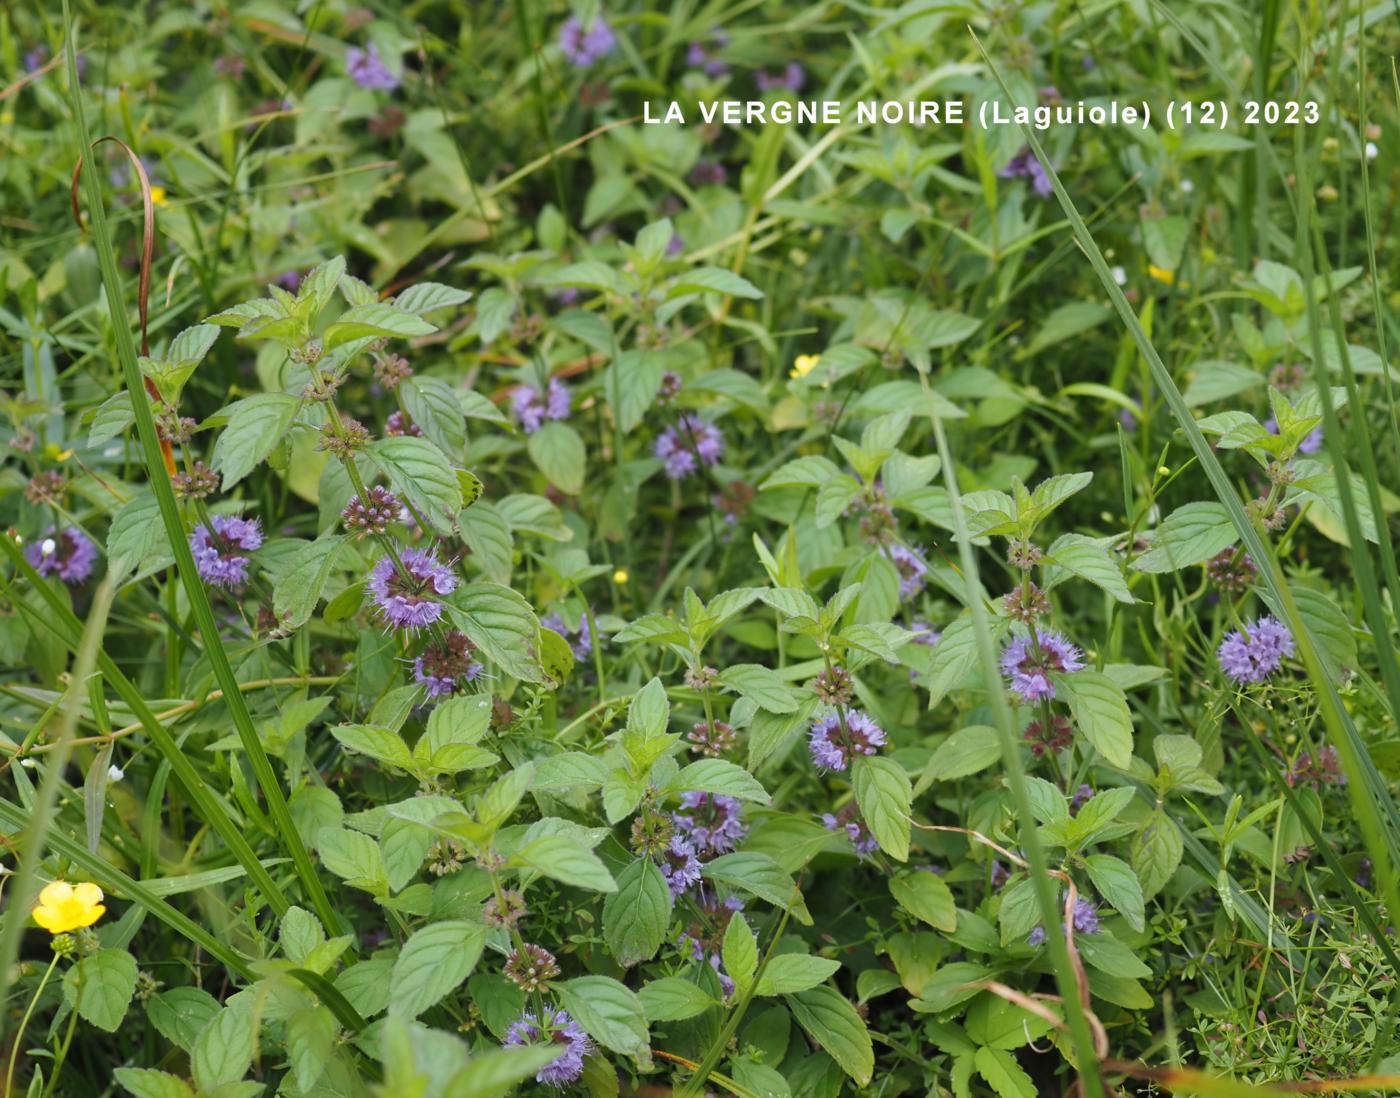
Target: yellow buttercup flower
[803, 365]
[620, 576]
[1161, 274]
[158, 196]
[63, 907]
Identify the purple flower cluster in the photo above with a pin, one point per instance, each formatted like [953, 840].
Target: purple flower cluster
[1254, 653]
[1086, 921]
[408, 599]
[554, 1027]
[849, 821]
[834, 747]
[911, 567]
[709, 822]
[1028, 671]
[221, 553]
[680, 865]
[1024, 165]
[582, 46]
[690, 442]
[68, 554]
[792, 78]
[580, 639]
[368, 69]
[698, 57]
[441, 668]
[532, 407]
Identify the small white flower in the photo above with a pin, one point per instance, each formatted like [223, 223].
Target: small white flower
[1187, 186]
[115, 773]
[48, 547]
[1120, 276]
[1372, 151]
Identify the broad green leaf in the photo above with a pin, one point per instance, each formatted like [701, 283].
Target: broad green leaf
[223, 1052]
[713, 279]
[148, 1083]
[1003, 1074]
[301, 580]
[255, 426]
[558, 451]
[787, 973]
[718, 776]
[608, 1012]
[433, 963]
[1118, 884]
[136, 541]
[310, 1042]
[925, 896]
[1100, 712]
[565, 860]
[1191, 534]
[433, 405]
[739, 952]
[1089, 560]
[965, 752]
[884, 794]
[835, 1026]
[428, 297]
[100, 986]
[637, 915]
[378, 743]
[1157, 853]
[673, 999]
[494, 1070]
[487, 535]
[761, 875]
[501, 623]
[378, 320]
[420, 474]
[761, 685]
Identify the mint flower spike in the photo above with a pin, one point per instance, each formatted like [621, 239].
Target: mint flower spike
[222, 549]
[408, 599]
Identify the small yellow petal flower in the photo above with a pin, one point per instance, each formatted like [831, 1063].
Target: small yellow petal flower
[158, 196]
[1161, 274]
[803, 365]
[620, 576]
[63, 907]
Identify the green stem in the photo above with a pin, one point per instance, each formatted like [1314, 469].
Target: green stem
[24, 1024]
